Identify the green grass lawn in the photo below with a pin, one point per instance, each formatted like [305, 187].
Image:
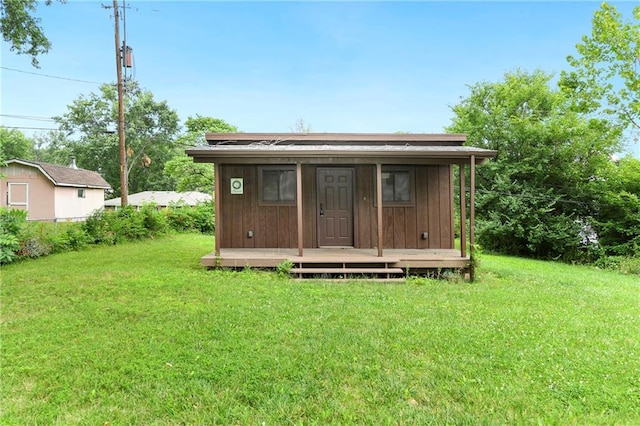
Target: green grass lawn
[140, 334]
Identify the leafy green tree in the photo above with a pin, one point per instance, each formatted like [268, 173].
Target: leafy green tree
[14, 144]
[536, 198]
[618, 220]
[605, 73]
[22, 30]
[53, 147]
[190, 176]
[150, 128]
[199, 125]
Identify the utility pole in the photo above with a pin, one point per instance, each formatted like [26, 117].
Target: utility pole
[123, 151]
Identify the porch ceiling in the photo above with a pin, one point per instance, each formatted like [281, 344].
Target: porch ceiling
[406, 154]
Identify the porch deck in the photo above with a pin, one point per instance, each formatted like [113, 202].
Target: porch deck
[341, 260]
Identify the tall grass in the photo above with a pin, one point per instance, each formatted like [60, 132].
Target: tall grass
[140, 334]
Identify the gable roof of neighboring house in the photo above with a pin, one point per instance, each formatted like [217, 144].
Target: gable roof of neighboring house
[66, 176]
[161, 198]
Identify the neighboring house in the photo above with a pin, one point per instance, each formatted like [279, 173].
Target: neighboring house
[50, 192]
[302, 196]
[161, 199]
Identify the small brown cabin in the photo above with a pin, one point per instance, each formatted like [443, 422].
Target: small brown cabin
[329, 199]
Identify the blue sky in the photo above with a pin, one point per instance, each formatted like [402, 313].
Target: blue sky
[339, 66]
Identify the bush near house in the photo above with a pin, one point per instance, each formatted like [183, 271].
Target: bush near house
[20, 239]
[198, 218]
[11, 222]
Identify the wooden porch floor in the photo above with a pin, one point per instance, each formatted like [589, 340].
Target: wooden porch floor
[413, 259]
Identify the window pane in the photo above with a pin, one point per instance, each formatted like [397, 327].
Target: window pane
[387, 186]
[270, 185]
[402, 188]
[287, 185]
[278, 185]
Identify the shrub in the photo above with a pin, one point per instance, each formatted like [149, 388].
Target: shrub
[618, 224]
[200, 217]
[9, 244]
[205, 217]
[153, 220]
[625, 265]
[96, 228]
[33, 247]
[630, 265]
[11, 222]
[180, 218]
[112, 227]
[126, 224]
[73, 238]
[101, 227]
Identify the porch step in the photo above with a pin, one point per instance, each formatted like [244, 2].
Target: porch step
[377, 280]
[347, 271]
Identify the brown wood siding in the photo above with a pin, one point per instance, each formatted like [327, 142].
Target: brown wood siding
[275, 226]
[403, 225]
[433, 207]
[309, 200]
[366, 223]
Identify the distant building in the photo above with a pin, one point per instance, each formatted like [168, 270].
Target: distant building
[49, 192]
[162, 199]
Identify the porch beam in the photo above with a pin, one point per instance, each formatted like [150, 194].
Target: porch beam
[463, 213]
[379, 195]
[452, 207]
[472, 215]
[299, 207]
[216, 197]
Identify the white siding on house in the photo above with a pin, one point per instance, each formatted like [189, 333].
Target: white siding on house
[70, 206]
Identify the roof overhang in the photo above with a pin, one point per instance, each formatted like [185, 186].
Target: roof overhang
[52, 180]
[337, 148]
[442, 139]
[337, 154]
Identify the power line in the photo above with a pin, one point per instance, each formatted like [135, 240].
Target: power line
[50, 76]
[28, 128]
[27, 117]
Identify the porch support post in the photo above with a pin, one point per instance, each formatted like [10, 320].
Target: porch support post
[216, 197]
[299, 207]
[472, 216]
[463, 213]
[379, 198]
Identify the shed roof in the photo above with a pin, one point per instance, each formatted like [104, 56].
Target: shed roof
[66, 176]
[336, 148]
[337, 138]
[161, 198]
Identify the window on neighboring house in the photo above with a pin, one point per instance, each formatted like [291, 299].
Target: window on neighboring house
[277, 184]
[396, 185]
[82, 193]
